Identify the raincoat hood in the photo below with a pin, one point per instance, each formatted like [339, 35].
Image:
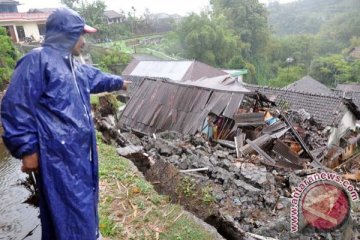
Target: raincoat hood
[63, 29]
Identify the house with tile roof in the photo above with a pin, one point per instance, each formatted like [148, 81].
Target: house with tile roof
[355, 53]
[20, 26]
[336, 112]
[309, 85]
[112, 17]
[348, 87]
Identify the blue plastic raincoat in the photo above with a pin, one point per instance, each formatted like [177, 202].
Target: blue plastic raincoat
[46, 109]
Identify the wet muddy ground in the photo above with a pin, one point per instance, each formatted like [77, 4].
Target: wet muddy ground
[18, 219]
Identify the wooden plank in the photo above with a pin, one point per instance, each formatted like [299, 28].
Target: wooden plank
[283, 162]
[248, 119]
[261, 141]
[274, 128]
[260, 151]
[239, 142]
[315, 161]
[283, 150]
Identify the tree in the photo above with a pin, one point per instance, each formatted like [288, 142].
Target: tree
[332, 70]
[207, 39]
[343, 27]
[112, 60]
[171, 44]
[70, 3]
[355, 42]
[248, 18]
[93, 12]
[299, 47]
[8, 57]
[287, 75]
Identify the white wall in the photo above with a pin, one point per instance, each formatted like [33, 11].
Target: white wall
[347, 122]
[31, 28]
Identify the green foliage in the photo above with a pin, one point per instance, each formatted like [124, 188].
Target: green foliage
[354, 42]
[171, 44]
[301, 48]
[287, 75]
[187, 187]
[8, 57]
[93, 12]
[70, 3]
[207, 195]
[334, 69]
[343, 27]
[182, 230]
[335, 28]
[207, 40]
[235, 35]
[310, 16]
[110, 59]
[108, 228]
[94, 100]
[248, 19]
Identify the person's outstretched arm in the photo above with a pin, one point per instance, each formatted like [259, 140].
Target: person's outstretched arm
[103, 82]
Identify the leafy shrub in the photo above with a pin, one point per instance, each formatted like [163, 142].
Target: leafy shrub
[8, 58]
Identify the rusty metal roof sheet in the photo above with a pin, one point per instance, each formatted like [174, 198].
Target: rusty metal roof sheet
[225, 82]
[159, 105]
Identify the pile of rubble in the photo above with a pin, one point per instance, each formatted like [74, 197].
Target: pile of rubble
[247, 194]
[242, 186]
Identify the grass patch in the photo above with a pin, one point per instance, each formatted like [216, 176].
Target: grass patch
[207, 195]
[130, 208]
[94, 100]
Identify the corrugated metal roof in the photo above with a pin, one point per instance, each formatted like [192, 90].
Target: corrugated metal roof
[159, 105]
[225, 83]
[199, 70]
[174, 70]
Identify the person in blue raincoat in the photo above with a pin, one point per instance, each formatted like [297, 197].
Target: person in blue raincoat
[47, 123]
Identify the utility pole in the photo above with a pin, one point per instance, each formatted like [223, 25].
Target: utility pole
[289, 60]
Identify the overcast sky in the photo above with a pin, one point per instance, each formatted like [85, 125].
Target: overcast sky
[155, 6]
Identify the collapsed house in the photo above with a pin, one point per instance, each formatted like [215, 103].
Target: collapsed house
[320, 132]
[159, 106]
[336, 115]
[241, 177]
[178, 71]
